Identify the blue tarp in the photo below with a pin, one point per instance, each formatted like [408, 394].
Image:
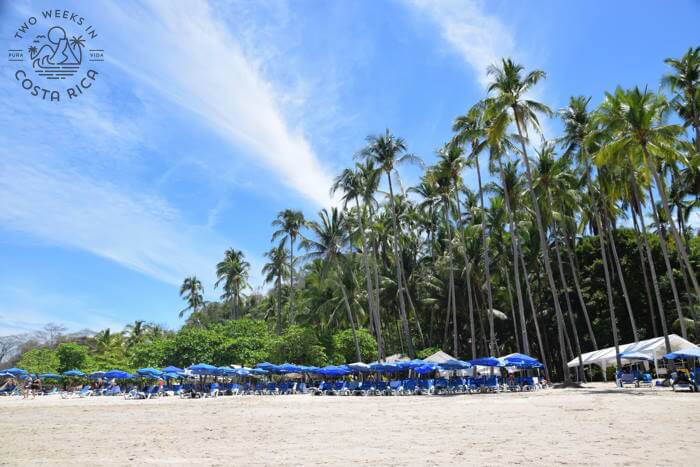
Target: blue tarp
[690, 352]
[73, 373]
[487, 361]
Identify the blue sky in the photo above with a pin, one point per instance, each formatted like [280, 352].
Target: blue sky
[208, 118]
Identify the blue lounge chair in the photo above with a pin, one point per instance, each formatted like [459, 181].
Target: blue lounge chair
[271, 388]
[441, 386]
[425, 386]
[395, 388]
[380, 388]
[456, 385]
[490, 384]
[409, 386]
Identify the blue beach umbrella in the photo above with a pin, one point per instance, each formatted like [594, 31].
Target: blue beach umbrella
[635, 356]
[149, 372]
[172, 369]
[117, 374]
[49, 376]
[410, 364]
[487, 361]
[690, 352]
[426, 368]
[73, 373]
[97, 374]
[16, 371]
[203, 369]
[454, 365]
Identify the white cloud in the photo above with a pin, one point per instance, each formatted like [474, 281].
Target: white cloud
[479, 38]
[139, 231]
[193, 60]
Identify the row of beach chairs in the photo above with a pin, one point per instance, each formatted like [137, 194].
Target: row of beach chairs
[424, 386]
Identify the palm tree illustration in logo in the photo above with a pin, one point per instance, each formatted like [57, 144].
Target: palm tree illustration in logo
[57, 57]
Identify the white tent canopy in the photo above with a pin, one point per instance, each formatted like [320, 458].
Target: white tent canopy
[654, 348]
[439, 357]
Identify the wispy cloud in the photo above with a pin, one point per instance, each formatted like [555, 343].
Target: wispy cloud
[479, 38]
[194, 61]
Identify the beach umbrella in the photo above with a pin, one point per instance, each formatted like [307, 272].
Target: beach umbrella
[410, 364]
[635, 356]
[5, 375]
[258, 371]
[690, 352]
[242, 372]
[97, 374]
[455, 364]
[73, 373]
[386, 367]
[203, 369]
[267, 366]
[149, 372]
[171, 369]
[487, 361]
[49, 376]
[16, 371]
[359, 367]
[289, 368]
[425, 368]
[117, 374]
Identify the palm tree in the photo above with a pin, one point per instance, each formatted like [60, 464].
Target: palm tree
[289, 222]
[684, 81]
[386, 152]
[276, 271]
[135, 332]
[193, 293]
[635, 122]
[510, 104]
[471, 129]
[330, 237]
[578, 136]
[233, 272]
[352, 183]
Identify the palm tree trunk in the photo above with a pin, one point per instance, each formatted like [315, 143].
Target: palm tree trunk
[373, 311]
[471, 309]
[291, 279]
[661, 188]
[487, 266]
[618, 266]
[349, 311]
[654, 277]
[545, 253]
[399, 282]
[669, 268]
[516, 273]
[642, 263]
[451, 276]
[582, 302]
[278, 305]
[512, 310]
[565, 287]
[414, 313]
[534, 316]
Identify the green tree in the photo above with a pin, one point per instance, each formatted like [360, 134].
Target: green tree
[72, 356]
[344, 344]
[40, 360]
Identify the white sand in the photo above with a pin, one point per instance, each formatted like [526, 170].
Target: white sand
[596, 425]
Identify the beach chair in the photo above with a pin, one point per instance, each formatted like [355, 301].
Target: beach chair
[321, 389]
[301, 388]
[455, 385]
[409, 386]
[353, 386]
[628, 379]
[154, 391]
[490, 384]
[470, 385]
[645, 380]
[682, 381]
[441, 386]
[425, 386]
[380, 388]
[394, 388]
[8, 391]
[527, 383]
[271, 388]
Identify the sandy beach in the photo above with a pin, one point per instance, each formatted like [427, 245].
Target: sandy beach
[598, 424]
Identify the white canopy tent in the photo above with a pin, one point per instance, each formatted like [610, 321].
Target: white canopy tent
[655, 348]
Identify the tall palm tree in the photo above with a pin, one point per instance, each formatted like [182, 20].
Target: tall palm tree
[276, 270]
[684, 81]
[509, 104]
[233, 272]
[289, 223]
[193, 293]
[471, 129]
[328, 239]
[352, 183]
[386, 152]
[635, 121]
[578, 134]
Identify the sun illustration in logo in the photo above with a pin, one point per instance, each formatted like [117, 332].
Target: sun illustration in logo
[55, 56]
